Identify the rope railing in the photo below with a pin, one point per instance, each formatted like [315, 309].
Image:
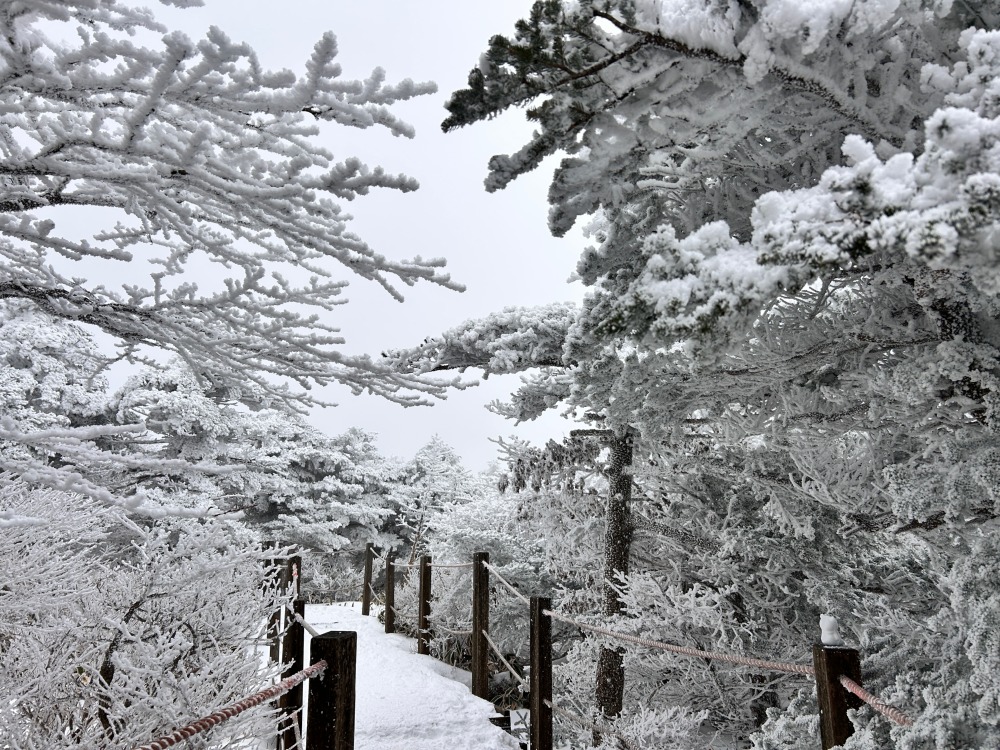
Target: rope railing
[776, 666]
[883, 708]
[829, 665]
[746, 661]
[506, 584]
[513, 672]
[453, 632]
[207, 722]
[401, 612]
[301, 621]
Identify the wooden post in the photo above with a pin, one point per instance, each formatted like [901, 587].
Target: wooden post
[294, 655]
[366, 592]
[540, 677]
[480, 624]
[280, 578]
[390, 594]
[424, 607]
[331, 694]
[830, 662]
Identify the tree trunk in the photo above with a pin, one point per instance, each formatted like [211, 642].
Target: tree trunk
[617, 545]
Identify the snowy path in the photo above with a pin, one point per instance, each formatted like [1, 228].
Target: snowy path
[406, 701]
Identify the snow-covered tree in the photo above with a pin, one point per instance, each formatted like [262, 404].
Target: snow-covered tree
[194, 161]
[812, 371]
[114, 633]
[424, 487]
[175, 196]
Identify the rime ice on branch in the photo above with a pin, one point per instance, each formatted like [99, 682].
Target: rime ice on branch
[199, 155]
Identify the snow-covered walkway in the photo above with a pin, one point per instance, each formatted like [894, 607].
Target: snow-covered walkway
[406, 701]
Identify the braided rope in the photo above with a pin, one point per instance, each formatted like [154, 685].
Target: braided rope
[883, 708]
[746, 661]
[451, 565]
[207, 722]
[298, 618]
[587, 724]
[454, 632]
[507, 585]
[513, 673]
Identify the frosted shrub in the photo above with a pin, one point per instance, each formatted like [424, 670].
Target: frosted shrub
[114, 633]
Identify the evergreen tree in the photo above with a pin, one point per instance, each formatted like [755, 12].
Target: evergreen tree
[812, 371]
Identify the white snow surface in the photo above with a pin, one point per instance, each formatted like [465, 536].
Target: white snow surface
[406, 701]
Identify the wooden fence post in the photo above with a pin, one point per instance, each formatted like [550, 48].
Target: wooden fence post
[830, 662]
[390, 594]
[480, 625]
[424, 607]
[294, 656]
[540, 674]
[280, 577]
[366, 592]
[331, 694]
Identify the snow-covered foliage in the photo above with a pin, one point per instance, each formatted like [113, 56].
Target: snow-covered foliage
[196, 161]
[495, 523]
[134, 596]
[690, 110]
[423, 488]
[113, 634]
[501, 343]
[282, 475]
[794, 303]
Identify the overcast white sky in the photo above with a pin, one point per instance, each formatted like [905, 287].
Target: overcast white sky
[498, 245]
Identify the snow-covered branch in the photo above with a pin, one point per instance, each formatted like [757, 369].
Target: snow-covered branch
[200, 155]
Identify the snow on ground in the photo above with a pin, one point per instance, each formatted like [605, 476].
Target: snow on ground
[406, 701]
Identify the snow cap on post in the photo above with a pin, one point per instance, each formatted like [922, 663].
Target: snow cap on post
[830, 631]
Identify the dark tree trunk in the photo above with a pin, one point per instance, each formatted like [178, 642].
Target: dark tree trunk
[617, 545]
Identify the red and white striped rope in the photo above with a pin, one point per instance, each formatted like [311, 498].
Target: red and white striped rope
[746, 661]
[883, 708]
[207, 722]
[505, 584]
